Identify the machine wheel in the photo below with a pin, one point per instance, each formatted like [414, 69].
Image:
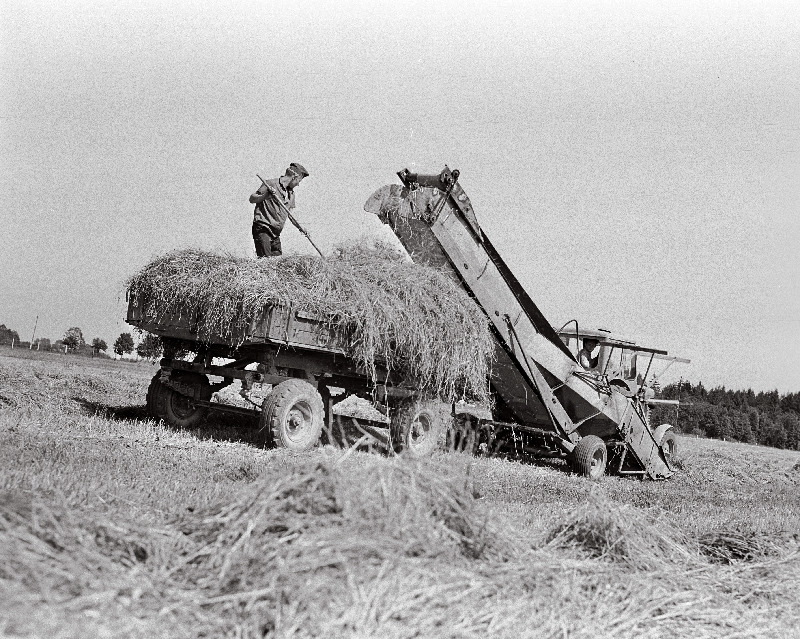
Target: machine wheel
[669, 446]
[589, 457]
[417, 425]
[179, 410]
[292, 416]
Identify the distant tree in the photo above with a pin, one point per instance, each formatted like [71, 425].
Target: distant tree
[73, 338]
[769, 400]
[698, 391]
[7, 336]
[697, 418]
[791, 401]
[150, 347]
[43, 344]
[123, 344]
[773, 434]
[752, 417]
[99, 345]
[741, 430]
[791, 426]
[670, 391]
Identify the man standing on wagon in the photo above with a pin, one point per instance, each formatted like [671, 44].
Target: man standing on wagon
[272, 209]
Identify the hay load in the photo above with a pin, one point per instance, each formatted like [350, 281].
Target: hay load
[409, 318]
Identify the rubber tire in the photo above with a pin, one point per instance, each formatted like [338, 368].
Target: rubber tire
[178, 410]
[409, 417]
[669, 446]
[590, 457]
[292, 416]
[153, 396]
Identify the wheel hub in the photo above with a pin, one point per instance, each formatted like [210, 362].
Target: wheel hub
[182, 406]
[298, 420]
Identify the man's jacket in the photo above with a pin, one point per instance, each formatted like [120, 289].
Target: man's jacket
[269, 216]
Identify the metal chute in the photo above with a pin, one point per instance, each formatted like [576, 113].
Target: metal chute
[536, 379]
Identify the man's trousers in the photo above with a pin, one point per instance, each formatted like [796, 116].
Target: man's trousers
[267, 244]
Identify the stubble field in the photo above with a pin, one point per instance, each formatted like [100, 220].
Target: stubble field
[114, 525]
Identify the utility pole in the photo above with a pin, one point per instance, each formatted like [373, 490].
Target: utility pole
[33, 337]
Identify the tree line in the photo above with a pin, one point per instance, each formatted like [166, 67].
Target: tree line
[149, 346]
[766, 417]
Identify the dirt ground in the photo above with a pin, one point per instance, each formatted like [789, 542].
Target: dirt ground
[114, 525]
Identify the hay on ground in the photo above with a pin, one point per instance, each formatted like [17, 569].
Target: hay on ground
[409, 318]
[624, 534]
[730, 546]
[364, 546]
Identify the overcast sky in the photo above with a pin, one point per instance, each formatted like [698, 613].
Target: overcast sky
[637, 164]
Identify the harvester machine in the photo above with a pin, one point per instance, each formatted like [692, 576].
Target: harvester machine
[545, 404]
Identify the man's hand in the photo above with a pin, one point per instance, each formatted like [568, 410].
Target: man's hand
[261, 195]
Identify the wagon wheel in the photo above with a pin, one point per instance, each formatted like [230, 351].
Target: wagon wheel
[417, 425]
[292, 415]
[153, 397]
[179, 410]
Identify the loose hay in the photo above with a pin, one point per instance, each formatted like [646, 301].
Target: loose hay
[410, 318]
[364, 546]
[602, 529]
[729, 546]
[99, 519]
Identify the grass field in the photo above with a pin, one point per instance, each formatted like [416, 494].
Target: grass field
[114, 525]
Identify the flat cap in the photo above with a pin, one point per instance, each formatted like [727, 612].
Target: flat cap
[298, 169]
